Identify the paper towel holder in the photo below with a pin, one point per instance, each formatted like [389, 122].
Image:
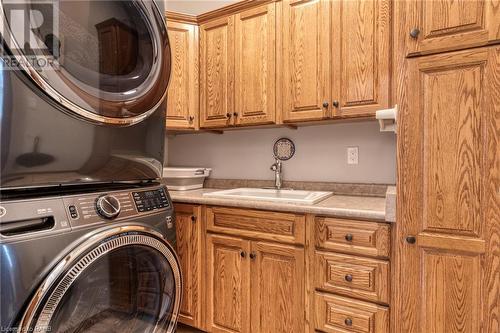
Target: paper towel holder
[387, 119]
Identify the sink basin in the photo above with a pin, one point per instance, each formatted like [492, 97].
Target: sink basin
[286, 196]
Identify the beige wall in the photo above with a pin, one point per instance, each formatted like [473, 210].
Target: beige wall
[320, 153]
[196, 7]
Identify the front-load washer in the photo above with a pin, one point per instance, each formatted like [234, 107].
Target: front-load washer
[90, 262]
[82, 92]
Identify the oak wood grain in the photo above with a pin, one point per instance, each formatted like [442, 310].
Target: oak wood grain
[266, 225]
[255, 63]
[277, 288]
[353, 237]
[361, 75]
[352, 276]
[183, 91]
[452, 25]
[228, 294]
[217, 73]
[189, 251]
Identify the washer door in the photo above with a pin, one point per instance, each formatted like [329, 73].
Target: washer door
[125, 279]
[106, 61]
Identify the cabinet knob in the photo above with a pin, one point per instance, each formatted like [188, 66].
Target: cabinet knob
[348, 237]
[348, 322]
[228, 115]
[325, 104]
[193, 218]
[414, 33]
[411, 239]
[253, 255]
[191, 118]
[348, 278]
[243, 254]
[235, 114]
[336, 104]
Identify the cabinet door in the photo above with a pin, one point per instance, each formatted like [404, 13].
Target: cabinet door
[277, 287]
[188, 234]
[305, 59]
[449, 176]
[451, 25]
[217, 72]
[228, 299]
[255, 75]
[361, 57]
[182, 100]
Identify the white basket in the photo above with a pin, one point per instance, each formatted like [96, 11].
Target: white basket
[182, 179]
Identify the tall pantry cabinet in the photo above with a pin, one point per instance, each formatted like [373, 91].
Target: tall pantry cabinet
[447, 276]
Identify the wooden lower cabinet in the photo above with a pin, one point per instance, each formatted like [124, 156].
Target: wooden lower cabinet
[254, 286]
[277, 288]
[228, 285]
[188, 231]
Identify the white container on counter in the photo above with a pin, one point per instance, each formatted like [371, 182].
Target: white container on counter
[182, 179]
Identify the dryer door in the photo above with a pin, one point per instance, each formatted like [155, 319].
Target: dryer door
[126, 279]
[106, 61]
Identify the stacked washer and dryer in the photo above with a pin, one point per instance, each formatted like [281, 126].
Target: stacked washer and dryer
[86, 228]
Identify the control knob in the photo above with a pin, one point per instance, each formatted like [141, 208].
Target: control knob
[108, 206]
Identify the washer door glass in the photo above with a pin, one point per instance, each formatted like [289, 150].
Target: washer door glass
[108, 61]
[131, 289]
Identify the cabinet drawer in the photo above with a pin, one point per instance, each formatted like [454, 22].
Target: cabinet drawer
[353, 276]
[335, 314]
[266, 225]
[356, 237]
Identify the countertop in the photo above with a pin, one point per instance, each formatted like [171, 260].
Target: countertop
[353, 207]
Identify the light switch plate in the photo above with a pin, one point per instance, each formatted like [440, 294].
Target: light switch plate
[352, 155]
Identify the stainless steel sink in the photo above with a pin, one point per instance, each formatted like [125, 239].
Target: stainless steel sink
[286, 196]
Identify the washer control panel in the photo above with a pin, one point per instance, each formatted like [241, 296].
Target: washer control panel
[146, 201]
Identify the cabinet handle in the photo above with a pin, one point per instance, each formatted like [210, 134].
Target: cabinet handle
[235, 114]
[325, 104]
[228, 115]
[411, 239]
[336, 104]
[191, 118]
[253, 255]
[348, 278]
[193, 218]
[243, 254]
[414, 32]
[348, 322]
[348, 237]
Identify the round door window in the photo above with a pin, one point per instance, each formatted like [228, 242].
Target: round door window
[108, 61]
[128, 283]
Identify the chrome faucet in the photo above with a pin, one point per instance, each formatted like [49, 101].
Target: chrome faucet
[276, 167]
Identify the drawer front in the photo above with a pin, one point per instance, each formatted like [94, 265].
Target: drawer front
[266, 225]
[335, 314]
[353, 276]
[356, 237]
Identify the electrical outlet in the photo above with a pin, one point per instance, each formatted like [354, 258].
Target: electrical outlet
[352, 155]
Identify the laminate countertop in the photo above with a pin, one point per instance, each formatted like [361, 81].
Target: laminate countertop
[352, 207]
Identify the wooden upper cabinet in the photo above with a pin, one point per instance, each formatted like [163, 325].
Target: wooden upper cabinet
[277, 288]
[447, 279]
[183, 98]
[217, 72]
[360, 56]
[305, 59]
[451, 24]
[188, 234]
[228, 293]
[255, 62]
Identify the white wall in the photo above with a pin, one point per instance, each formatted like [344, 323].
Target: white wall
[320, 153]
